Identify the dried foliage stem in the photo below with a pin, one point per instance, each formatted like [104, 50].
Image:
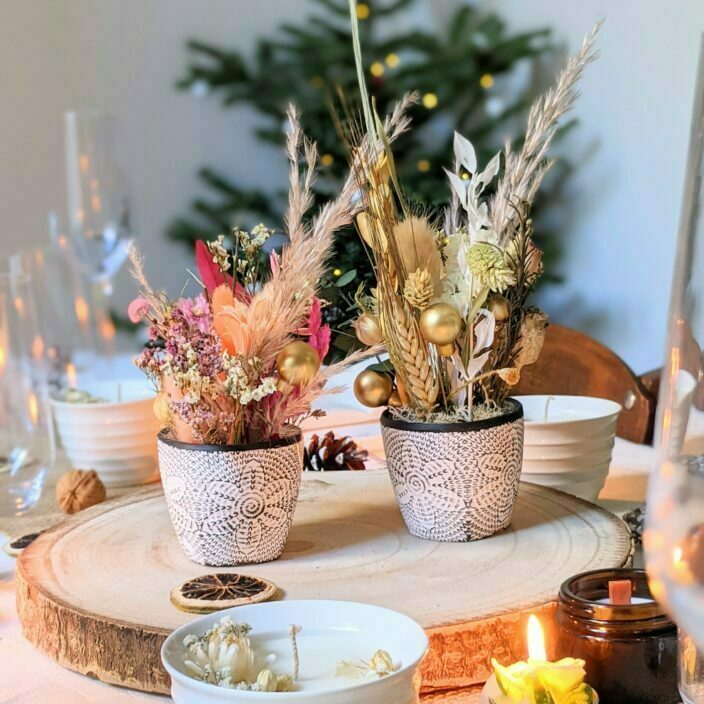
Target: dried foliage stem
[525, 170]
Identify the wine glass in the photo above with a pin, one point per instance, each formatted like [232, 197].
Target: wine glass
[100, 228]
[674, 534]
[27, 450]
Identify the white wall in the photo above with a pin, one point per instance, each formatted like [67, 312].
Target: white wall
[621, 208]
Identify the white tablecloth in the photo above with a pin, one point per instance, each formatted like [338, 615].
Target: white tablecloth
[28, 677]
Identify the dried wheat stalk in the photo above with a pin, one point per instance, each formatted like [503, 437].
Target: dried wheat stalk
[525, 170]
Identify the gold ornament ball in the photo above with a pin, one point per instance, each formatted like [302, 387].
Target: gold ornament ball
[373, 389]
[440, 324]
[161, 409]
[297, 363]
[500, 307]
[368, 329]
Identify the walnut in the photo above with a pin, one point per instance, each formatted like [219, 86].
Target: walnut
[79, 489]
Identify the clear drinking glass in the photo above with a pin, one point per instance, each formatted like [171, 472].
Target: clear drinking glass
[26, 434]
[674, 529]
[98, 200]
[66, 318]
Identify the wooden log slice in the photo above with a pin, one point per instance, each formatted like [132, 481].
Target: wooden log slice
[93, 593]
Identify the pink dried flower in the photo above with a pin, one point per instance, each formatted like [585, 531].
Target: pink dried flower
[138, 309]
[196, 312]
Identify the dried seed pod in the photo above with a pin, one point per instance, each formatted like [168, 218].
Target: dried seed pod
[79, 489]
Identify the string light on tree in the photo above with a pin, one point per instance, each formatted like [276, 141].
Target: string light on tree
[317, 82]
[363, 11]
[327, 159]
[377, 69]
[392, 60]
[486, 81]
[337, 272]
[430, 101]
[423, 166]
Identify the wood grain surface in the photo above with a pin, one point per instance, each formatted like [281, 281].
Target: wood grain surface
[93, 592]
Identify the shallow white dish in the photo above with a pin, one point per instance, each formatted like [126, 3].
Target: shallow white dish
[117, 438]
[331, 631]
[571, 450]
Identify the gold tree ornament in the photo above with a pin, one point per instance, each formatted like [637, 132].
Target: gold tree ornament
[441, 324]
[500, 307]
[161, 409]
[373, 389]
[368, 330]
[297, 363]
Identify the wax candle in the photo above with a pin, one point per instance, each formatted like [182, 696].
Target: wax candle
[538, 679]
[109, 427]
[346, 653]
[629, 649]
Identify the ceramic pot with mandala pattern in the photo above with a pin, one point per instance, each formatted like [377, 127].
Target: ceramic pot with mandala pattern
[233, 504]
[456, 482]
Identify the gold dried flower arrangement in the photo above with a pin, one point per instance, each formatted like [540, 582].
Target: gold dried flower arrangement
[451, 301]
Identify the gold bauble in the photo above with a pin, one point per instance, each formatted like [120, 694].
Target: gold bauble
[373, 389]
[297, 363]
[500, 307]
[161, 409]
[440, 324]
[368, 330]
[395, 400]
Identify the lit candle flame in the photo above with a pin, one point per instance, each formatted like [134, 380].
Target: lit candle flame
[71, 375]
[33, 408]
[536, 640]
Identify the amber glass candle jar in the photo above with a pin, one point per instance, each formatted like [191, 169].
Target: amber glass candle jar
[630, 651]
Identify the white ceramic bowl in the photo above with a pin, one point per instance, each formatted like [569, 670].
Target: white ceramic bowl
[116, 439]
[326, 627]
[571, 451]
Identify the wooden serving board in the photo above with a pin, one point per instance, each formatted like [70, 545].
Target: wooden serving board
[93, 592]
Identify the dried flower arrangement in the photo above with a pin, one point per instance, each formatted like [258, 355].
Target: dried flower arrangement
[451, 301]
[240, 362]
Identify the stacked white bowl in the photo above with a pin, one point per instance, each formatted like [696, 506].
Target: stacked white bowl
[569, 445]
[116, 438]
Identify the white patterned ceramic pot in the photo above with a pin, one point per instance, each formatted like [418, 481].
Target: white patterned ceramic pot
[456, 482]
[231, 505]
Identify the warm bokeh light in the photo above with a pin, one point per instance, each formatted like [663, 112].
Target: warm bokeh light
[536, 639]
[363, 11]
[430, 101]
[486, 81]
[19, 306]
[377, 69]
[83, 163]
[392, 60]
[3, 360]
[423, 165]
[71, 375]
[327, 159]
[107, 329]
[33, 407]
[95, 203]
[81, 309]
[37, 347]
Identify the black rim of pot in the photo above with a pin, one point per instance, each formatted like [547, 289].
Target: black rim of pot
[515, 413]
[265, 445]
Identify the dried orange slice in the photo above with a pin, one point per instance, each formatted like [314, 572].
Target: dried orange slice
[214, 592]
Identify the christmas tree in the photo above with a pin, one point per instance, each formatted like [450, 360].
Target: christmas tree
[312, 65]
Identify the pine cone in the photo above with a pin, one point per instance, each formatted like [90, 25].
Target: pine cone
[333, 454]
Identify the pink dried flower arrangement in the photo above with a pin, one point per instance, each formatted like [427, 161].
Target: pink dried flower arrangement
[241, 361]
